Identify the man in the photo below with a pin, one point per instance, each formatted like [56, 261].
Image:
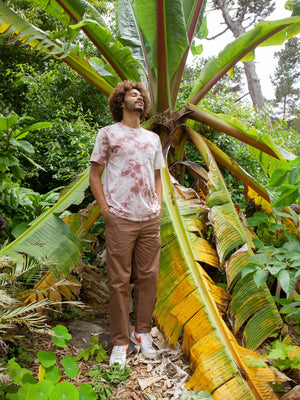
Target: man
[130, 202]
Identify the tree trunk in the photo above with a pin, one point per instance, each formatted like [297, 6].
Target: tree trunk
[254, 85]
[253, 82]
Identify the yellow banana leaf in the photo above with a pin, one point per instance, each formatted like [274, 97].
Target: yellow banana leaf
[53, 288]
[258, 312]
[189, 303]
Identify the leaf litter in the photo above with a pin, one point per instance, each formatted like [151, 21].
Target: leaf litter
[163, 378]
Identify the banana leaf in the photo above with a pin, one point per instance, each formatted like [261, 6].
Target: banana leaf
[49, 239]
[38, 40]
[81, 14]
[265, 33]
[191, 305]
[234, 243]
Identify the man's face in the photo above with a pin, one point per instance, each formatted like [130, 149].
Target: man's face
[133, 101]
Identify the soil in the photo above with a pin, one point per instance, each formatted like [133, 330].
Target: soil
[164, 378]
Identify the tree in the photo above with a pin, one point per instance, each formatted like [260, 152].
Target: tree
[239, 16]
[286, 77]
[201, 230]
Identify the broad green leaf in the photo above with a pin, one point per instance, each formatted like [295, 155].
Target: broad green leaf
[22, 144]
[85, 16]
[287, 280]
[28, 378]
[193, 13]
[196, 50]
[260, 259]
[248, 269]
[46, 358]
[278, 177]
[60, 247]
[164, 37]
[7, 122]
[34, 127]
[40, 41]
[24, 393]
[16, 371]
[78, 8]
[129, 31]
[264, 33]
[260, 277]
[288, 196]
[86, 392]
[64, 391]
[296, 264]
[9, 160]
[62, 336]
[276, 268]
[257, 219]
[117, 55]
[70, 366]
[260, 145]
[41, 390]
[294, 176]
[195, 23]
[53, 374]
[288, 308]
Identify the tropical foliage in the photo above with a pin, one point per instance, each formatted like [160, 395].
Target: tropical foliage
[202, 229]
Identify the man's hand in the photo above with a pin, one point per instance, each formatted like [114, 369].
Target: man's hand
[105, 212]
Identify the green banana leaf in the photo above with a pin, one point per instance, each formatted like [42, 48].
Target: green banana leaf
[42, 42]
[260, 145]
[81, 14]
[265, 33]
[188, 300]
[49, 239]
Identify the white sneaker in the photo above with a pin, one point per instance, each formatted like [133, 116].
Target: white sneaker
[144, 341]
[118, 355]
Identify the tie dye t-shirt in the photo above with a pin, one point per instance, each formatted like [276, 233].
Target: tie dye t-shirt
[130, 157]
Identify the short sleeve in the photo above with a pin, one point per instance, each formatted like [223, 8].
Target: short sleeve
[159, 162]
[101, 148]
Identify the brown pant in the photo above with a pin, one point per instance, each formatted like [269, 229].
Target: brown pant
[132, 253]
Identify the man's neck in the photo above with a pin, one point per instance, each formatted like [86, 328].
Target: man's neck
[132, 120]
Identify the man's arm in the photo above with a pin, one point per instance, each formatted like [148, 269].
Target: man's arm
[158, 186]
[96, 172]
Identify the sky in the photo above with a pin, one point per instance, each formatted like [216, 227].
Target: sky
[264, 60]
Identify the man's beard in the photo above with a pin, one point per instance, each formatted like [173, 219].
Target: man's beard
[134, 107]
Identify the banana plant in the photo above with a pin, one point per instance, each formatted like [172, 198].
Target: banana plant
[200, 230]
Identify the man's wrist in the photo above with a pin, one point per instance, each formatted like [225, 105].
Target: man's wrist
[104, 209]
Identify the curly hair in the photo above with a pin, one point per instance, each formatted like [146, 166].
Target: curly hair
[116, 99]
